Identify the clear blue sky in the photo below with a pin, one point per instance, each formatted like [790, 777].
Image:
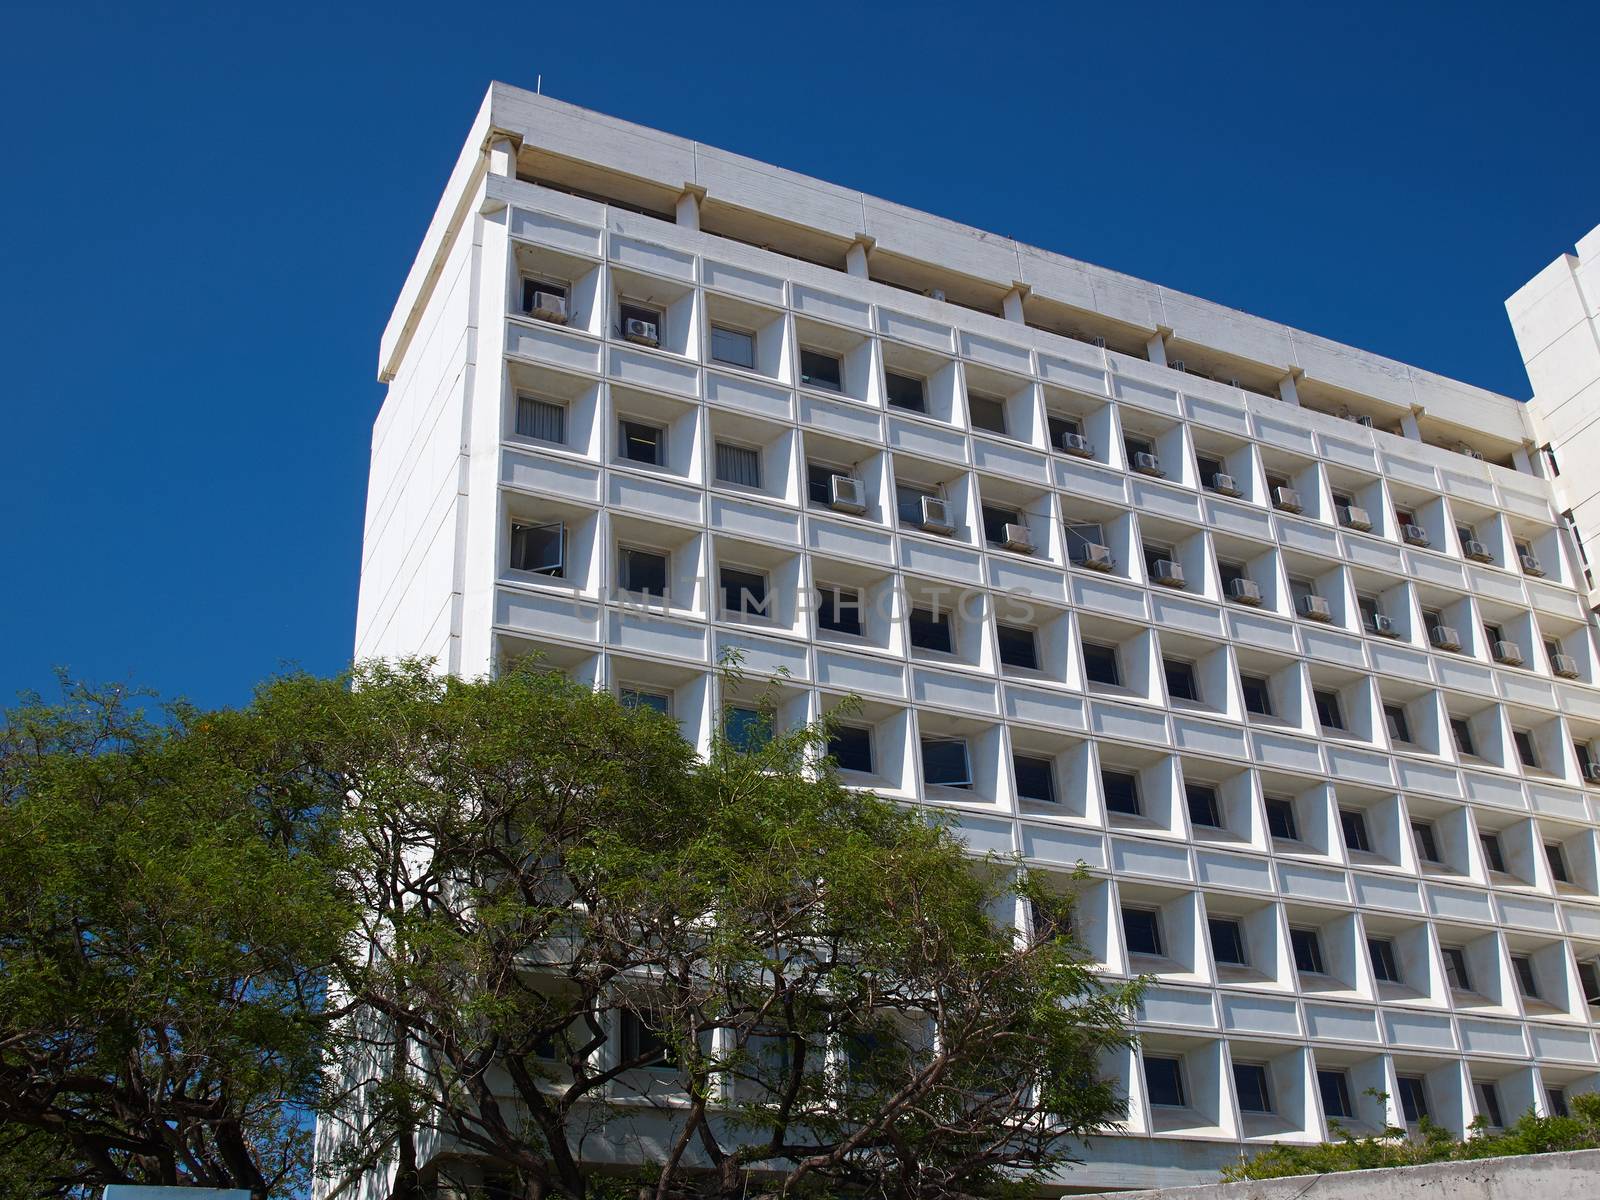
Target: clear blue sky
[208, 210]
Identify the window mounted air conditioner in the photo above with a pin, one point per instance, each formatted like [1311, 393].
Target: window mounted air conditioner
[1223, 482]
[641, 332]
[1167, 573]
[1591, 772]
[548, 306]
[1384, 626]
[1476, 550]
[1177, 364]
[1287, 499]
[1359, 419]
[1508, 653]
[1077, 444]
[1092, 556]
[1564, 665]
[1531, 565]
[1018, 538]
[936, 516]
[1353, 516]
[1098, 340]
[845, 493]
[1315, 608]
[1444, 637]
[1470, 452]
[1415, 534]
[1244, 591]
[1147, 464]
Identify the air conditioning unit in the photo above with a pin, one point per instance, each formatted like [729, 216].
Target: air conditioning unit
[1099, 340]
[1470, 452]
[846, 494]
[548, 306]
[1096, 558]
[1531, 565]
[1476, 550]
[1018, 538]
[1177, 365]
[1244, 591]
[645, 333]
[1147, 464]
[1077, 444]
[1564, 665]
[1287, 499]
[1591, 772]
[1223, 482]
[1359, 419]
[936, 516]
[1315, 608]
[1167, 573]
[1384, 626]
[1508, 653]
[1444, 637]
[1415, 534]
[1353, 516]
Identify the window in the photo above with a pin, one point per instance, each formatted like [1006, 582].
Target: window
[1381, 952]
[1394, 719]
[1180, 680]
[819, 483]
[1208, 467]
[1466, 534]
[1257, 695]
[1493, 856]
[1142, 929]
[1526, 754]
[1156, 553]
[1227, 941]
[1300, 590]
[1413, 1098]
[643, 443]
[541, 419]
[629, 313]
[1334, 1087]
[1589, 980]
[642, 571]
[642, 1043]
[1342, 499]
[1202, 801]
[1580, 751]
[1461, 734]
[1404, 516]
[1135, 446]
[908, 502]
[1307, 946]
[1489, 1103]
[1367, 606]
[905, 391]
[1329, 715]
[1353, 824]
[1280, 819]
[819, 369]
[1163, 1081]
[531, 287]
[1527, 984]
[1432, 621]
[1455, 968]
[738, 464]
[839, 610]
[746, 729]
[1275, 481]
[1556, 857]
[1084, 533]
[1493, 634]
[987, 413]
[1061, 426]
[850, 746]
[930, 630]
[1121, 790]
[1018, 646]
[1250, 1083]
[1556, 1101]
[744, 593]
[1227, 572]
[945, 763]
[1427, 844]
[995, 520]
[733, 346]
[1036, 778]
[658, 702]
[538, 548]
[1100, 664]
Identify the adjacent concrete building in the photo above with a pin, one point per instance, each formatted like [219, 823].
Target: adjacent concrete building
[1289, 643]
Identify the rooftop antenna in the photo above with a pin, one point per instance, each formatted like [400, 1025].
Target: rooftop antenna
[538, 85]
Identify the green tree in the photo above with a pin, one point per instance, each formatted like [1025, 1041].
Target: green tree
[583, 947]
[166, 918]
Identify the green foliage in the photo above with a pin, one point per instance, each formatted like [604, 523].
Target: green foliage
[1531, 1134]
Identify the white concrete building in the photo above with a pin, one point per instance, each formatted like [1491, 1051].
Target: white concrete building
[1289, 643]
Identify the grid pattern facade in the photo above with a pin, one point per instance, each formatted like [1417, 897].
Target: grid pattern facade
[1314, 704]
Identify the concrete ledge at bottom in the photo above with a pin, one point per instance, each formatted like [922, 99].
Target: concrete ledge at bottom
[1570, 1175]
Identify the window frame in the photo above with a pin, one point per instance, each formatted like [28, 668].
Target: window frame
[748, 335]
[625, 549]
